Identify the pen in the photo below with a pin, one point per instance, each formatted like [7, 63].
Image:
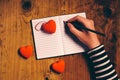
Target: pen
[79, 26]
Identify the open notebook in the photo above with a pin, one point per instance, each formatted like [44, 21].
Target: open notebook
[58, 43]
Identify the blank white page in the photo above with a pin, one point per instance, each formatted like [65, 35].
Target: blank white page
[70, 46]
[47, 45]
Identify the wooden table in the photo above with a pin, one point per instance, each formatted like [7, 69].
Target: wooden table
[15, 31]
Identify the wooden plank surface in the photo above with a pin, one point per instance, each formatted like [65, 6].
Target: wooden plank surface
[15, 31]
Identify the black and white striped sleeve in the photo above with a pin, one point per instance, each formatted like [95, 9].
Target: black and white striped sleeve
[103, 68]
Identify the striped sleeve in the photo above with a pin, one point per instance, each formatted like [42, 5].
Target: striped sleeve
[103, 68]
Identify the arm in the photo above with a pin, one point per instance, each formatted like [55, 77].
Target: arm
[103, 68]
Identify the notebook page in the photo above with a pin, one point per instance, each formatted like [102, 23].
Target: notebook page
[70, 46]
[47, 45]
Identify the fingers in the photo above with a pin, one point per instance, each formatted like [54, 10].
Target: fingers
[74, 30]
[86, 22]
[79, 19]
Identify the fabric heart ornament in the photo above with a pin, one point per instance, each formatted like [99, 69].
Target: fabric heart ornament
[26, 51]
[58, 66]
[49, 27]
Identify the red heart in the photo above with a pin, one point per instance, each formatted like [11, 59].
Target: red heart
[49, 27]
[59, 66]
[26, 51]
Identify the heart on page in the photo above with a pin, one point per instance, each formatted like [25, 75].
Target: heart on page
[49, 27]
[58, 66]
[26, 51]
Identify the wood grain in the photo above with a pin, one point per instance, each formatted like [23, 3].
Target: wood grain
[15, 31]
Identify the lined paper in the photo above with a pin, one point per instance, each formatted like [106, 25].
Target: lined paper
[47, 45]
[70, 46]
[56, 44]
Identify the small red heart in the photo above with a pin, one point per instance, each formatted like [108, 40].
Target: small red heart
[59, 66]
[49, 27]
[26, 51]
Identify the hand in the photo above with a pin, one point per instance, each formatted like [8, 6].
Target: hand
[88, 38]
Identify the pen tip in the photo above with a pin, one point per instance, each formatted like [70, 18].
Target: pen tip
[65, 22]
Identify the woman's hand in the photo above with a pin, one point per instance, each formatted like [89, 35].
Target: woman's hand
[88, 38]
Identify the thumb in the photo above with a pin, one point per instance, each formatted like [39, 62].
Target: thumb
[74, 30]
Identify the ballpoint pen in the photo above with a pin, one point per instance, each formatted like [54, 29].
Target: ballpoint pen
[79, 26]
